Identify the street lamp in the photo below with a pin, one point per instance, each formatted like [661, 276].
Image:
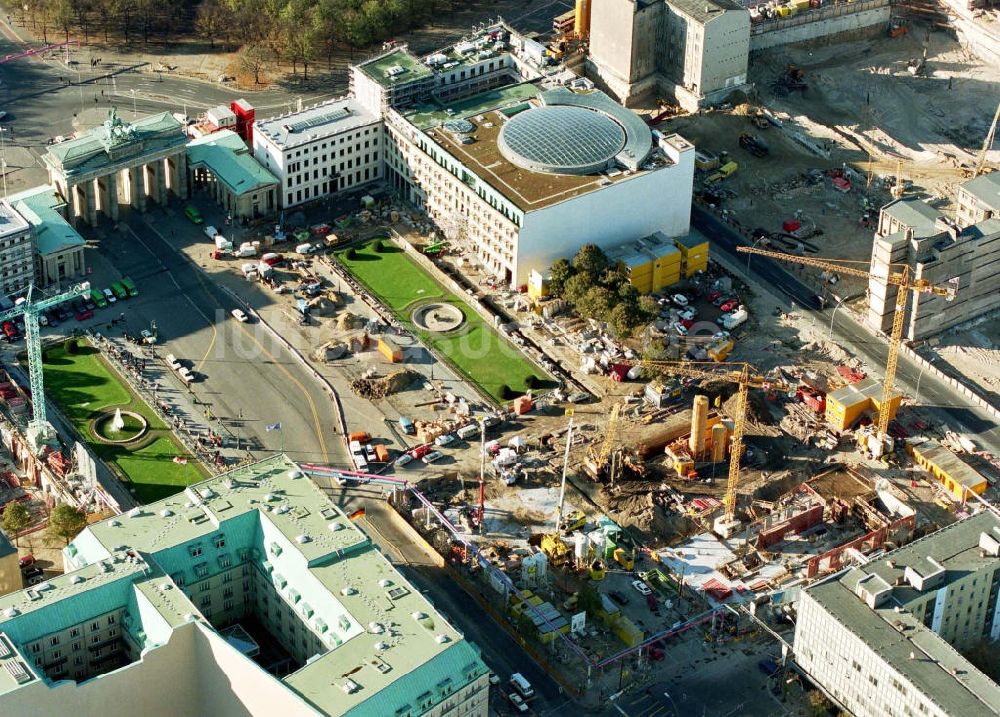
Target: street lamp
[834, 315]
[920, 376]
[134, 113]
[672, 703]
[752, 246]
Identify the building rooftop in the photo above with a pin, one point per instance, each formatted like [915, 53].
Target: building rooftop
[947, 462]
[226, 155]
[40, 207]
[940, 671]
[705, 10]
[915, 213]
[11, 222]
[986, 189]
[431, 114]
[867, 389]
[114, 141]
[397, 67]
[386, 646]
[477, 145]
[322, 120]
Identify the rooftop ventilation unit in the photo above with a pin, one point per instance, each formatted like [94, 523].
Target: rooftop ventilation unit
[348, 591]
[135, 512]
[301, 539]
[441, 639]
[394, 71]
[166, 512]
[350, 687]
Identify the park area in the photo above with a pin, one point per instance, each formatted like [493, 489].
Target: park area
[88, 391]
[477, 351]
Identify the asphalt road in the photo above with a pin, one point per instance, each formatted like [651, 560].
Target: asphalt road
[951, 408]
[246, 379]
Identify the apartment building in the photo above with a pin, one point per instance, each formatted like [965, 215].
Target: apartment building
[939, 249]
[17, 251]
[331, 147]
[978, 200]
[886, 639]
[247, 594]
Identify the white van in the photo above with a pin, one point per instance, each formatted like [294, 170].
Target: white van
[522, 686]
[467, 432]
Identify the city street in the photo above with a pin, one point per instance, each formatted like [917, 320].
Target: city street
[246, 380]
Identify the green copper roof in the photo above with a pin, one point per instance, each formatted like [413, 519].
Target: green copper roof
[40, 207]
[226, 155]
[379, 632]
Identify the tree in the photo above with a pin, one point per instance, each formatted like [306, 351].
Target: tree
[15, 519]
[590, 260]
[621, 320]
[575, 287]
[65, 523]
[63, 14]
[596, 303]
[252, 58]
[560, 272]
[212, 20]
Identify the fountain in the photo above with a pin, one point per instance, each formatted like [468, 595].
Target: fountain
[117, 423]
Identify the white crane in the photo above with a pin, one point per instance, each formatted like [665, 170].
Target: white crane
[39, 430]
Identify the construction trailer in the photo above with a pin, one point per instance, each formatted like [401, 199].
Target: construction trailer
[958, 477]
[846, 405]
[390, 350]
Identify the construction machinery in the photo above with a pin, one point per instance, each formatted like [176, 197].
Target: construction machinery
[742, 375]
[754, 144]
[899, 276]
[40, 432]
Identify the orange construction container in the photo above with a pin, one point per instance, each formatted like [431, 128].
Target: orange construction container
[522, 404]
[359, 436]
[381, 453]
[390, 349]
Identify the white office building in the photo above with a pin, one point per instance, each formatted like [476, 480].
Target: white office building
[17, 253]
[518, 168]
[886, 639]
[320, 151]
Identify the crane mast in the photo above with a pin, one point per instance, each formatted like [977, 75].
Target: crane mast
[40, 431]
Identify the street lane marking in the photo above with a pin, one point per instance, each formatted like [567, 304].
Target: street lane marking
[317, 425]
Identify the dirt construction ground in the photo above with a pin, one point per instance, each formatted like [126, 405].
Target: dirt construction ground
[860, 97]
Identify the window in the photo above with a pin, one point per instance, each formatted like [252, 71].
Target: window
[201, 570]
[111, 619]
[206, 601]
[205, 587]
[95, 639]
[76, 647]
[227, 604]
[113, 632]
[75, 632]
[54, 641]
[220, 541]
[194, 550]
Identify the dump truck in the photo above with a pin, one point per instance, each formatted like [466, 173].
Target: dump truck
[726, 170]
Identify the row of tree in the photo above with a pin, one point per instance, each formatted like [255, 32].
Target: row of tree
[599, 289]
[65, 522]
[298, 31]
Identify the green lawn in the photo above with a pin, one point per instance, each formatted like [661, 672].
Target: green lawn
[84, 385]
[479, 352]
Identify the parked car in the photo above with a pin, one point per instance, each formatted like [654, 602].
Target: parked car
[193, 214]
[689, 313]
[210, 231]
[147, 336]
[681, 329]
[712, 296]
[730, 305]
[89, 303]
[433, 456]
[240, 315]
[445, 439]
[403, 459]
[686, 323]
[419, 451]
[679, 299]
[519, 705]
[641, 587]
[26, 561]
[9, 330]
[84, 315]
[109, 295]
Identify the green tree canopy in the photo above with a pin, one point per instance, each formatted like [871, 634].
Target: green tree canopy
[15, 519]
[65, 523]
[591, 261]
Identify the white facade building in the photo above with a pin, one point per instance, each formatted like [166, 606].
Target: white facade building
[886, 639]
[17, 251]
[320, 151]
[522, 173]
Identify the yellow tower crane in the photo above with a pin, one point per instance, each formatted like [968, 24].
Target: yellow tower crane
[897, 275]
[742, 375]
